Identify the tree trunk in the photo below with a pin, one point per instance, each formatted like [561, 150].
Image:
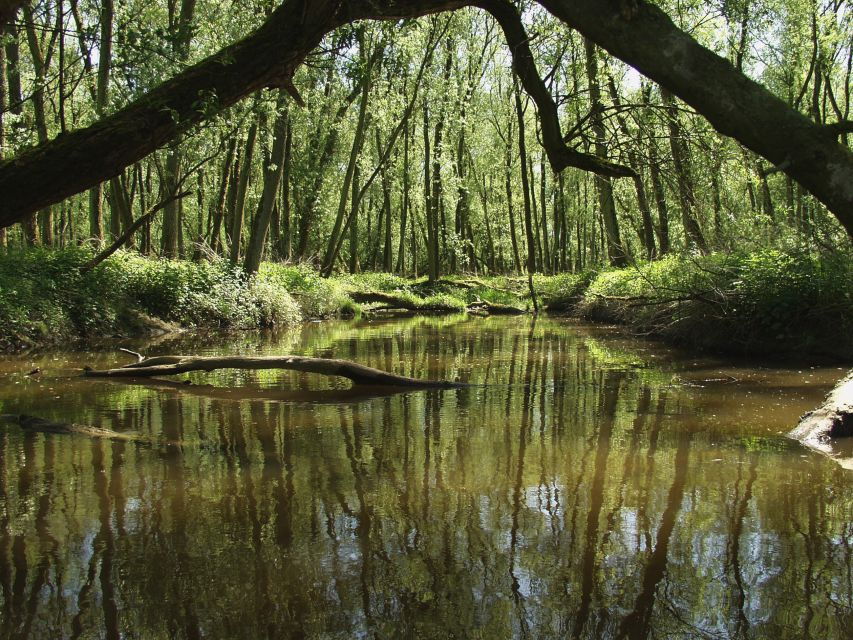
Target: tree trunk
[170, 237]
[647, 234]
[818, 429]
[516, 255]
[358, 142]
[242, 190]
[404, 209]
[603, 184]
[273, 165]
[3, 107]
[681, 161]
[214, 235]
[96, 194]
[172, 365]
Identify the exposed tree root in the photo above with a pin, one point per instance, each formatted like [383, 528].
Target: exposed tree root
[358, 373]
[833, 420]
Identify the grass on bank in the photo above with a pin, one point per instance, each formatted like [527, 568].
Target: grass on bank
[766, 302]
[769, 302]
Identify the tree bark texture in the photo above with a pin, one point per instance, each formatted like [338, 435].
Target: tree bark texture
[8, 9]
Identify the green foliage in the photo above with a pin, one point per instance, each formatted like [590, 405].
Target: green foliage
[769, 301]
[562, 292]
[45, 297]
[318, 297]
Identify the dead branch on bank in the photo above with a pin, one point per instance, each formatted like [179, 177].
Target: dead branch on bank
[123, 238]
[358, 373]
[392, 302]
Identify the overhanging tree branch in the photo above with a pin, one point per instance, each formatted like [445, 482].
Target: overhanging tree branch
[560, 155]
[636, 31]
[642, 35]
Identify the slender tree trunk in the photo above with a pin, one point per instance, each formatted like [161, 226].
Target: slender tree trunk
[647, 233]
[429, 210]
[214, 235]
[285, 238]
[716, 170]
[96, 194]
[170, 237]
[3, 108]
[388, 249]
[660, 199]
[180, 29]
[525, 183]
[547, 266]
[525, 188]
[44, 221]
[242, 190]
[353, 230]
[355, 150]
[681, 162]
[603, 184]
[516, 255]
[404, 210]
[273, 165]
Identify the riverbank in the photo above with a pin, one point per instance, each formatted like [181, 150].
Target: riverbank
[769, 303]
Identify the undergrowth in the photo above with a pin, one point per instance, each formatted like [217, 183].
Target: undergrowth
[766, 302]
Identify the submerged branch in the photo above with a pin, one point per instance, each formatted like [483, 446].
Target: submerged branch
[358, 373]
[40, 425]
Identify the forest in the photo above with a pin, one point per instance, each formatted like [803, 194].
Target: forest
[501, 140]
[586, 264]
[410, 146]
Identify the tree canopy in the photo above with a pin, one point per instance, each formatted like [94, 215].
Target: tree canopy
[421, 135]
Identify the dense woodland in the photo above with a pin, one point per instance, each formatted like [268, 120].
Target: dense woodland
[412, 147]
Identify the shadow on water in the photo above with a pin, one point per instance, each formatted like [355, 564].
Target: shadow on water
[585, 485]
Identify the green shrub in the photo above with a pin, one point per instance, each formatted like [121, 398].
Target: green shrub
[45, 297]
[318, 297]
[769, 301]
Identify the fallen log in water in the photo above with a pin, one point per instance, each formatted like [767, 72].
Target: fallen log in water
[393, 302]
[832, 421]
[358, 373]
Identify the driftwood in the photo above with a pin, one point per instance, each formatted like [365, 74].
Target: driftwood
[40, 425]
[397, 302]
[358, 373]
[495, 308]
[832, 421]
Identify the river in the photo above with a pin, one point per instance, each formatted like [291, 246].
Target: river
[585, 484]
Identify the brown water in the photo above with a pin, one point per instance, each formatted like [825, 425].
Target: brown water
[587, 486]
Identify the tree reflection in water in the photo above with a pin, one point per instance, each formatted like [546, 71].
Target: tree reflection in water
[573, 490]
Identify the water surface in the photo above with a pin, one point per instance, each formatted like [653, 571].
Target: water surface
[585, 485]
